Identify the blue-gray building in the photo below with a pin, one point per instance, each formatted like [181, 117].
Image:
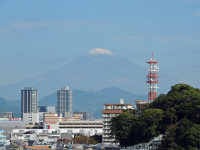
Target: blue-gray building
[64, 102]
[28, 100]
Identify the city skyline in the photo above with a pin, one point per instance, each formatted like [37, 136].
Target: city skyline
[103, 74]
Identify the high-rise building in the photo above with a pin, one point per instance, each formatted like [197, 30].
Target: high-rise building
[28, 100]
[29, 105]
[110, 111]
[64, 102]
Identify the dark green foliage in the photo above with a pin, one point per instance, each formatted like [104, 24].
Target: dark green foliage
[121, 127]
[176, 115]
[97, 138]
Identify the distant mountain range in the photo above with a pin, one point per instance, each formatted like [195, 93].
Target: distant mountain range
[10, 106]
[90, 72]
[90, 101]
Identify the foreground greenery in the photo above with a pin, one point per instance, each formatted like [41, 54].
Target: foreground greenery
[175, 115]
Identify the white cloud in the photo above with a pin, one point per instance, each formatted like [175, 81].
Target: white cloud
[97, 51]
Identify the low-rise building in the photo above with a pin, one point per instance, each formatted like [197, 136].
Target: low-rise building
[45, 109]
[34, 126]
[82, 115]
[2, 138]
[7, 115]
[30, 118]
[51, 120]
[72, 125]
[85, 127]
[140, 105]
[9, 125]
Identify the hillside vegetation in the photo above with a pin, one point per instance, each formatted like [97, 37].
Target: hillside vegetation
[176, 115]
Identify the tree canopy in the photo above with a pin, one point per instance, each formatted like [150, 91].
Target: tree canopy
[176, 115]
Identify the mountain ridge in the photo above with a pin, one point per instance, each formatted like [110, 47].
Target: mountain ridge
[89, 72]
[89, 101]
[92, 101]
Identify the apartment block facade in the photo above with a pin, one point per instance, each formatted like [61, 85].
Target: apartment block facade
[64, 102]
[29, 105]
[110, 111]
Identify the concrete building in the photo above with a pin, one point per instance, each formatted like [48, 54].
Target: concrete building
[86, 127]
[51, 120]
[28, 100]
[83, 127]
[29, 118]
[82, 115]
[8, 126]
[112, 110]
[140, 105]
[64, 102]
[45, 109]
[29, 111]
[70, 125]
[2, 138]
[8, 115]
[34, 139]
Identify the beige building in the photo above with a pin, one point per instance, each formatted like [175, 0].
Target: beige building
[140, 105]
[51, 120]
[72, 125]
[111, 110]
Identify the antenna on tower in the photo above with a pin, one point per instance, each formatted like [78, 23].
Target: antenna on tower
[152, 56]
[152, 79]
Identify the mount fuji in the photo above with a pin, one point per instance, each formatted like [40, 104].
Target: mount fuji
[98, 69]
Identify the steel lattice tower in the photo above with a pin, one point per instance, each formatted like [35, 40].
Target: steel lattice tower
[152, 79]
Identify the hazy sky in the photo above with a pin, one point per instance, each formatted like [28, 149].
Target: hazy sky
[37, 36]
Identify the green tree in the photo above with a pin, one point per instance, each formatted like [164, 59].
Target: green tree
[176, 115]
[152, 116]
[121, 126]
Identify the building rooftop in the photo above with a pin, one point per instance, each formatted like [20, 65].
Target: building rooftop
[29, 88]
[37, 147]
[118, 104]
[142, 101]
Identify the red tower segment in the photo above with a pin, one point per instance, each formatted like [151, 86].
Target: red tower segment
[152, 79]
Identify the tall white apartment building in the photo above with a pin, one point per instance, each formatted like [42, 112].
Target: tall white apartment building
[64, 102]
[112, 110]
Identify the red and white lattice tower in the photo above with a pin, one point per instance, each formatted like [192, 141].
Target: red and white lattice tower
[152, 79]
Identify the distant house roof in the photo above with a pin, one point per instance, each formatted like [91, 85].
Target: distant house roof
[37, 147]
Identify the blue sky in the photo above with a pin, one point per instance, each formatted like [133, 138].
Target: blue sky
[38, 36]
